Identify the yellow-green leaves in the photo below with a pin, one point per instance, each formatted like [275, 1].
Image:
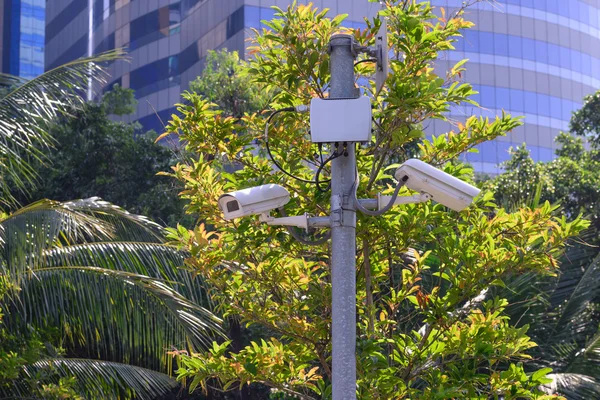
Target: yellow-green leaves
[428, 324]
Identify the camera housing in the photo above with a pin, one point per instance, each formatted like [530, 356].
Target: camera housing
[251, 201]
[442, 187]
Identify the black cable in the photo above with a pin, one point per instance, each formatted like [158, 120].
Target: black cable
[281, 168]
[287, 109]
[321, 165]
[374, 60]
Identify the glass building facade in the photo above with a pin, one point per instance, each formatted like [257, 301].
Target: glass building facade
[167, 40]
[22, 37]
[536, 58]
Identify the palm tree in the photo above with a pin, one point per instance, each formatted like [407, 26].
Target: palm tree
[562, 314]
[28, 106]
[109, 284]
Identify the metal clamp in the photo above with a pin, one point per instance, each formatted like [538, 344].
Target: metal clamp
[355, 49]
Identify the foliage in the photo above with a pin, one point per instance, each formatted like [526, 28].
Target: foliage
[26, 110]
[225, 81]
[571, 179]
[586, 121]
[95, 156]
[563, 311]
[428, 326]
[100, 282]
[119, 101]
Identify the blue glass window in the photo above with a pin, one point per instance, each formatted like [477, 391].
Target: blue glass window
[158, 75]
[359, 25]
[586, 64]
[155, 122]
[534, 152]
[553, 55]
[565, 58]
[551, 5]
[501, 45]
[541, 52]
[266, 14]
[517, 100]
[530, 102]
[64, 17]
[489, 152]
[107, 44]
[503, 98]
[527, 3]
[189, 56]
[77, 50]
[573, 7]
[545, 154]
[555, 107]
[543, 106]
[528, 49]
[515, 46]
[252, 17]
[566, 111]
[595, 67]
[471, 39]
[97, 12]
[503, 151]
[187, 5]
[488, 96]
[235, 22]
[154, 25]
[576, 61]
[486, 42]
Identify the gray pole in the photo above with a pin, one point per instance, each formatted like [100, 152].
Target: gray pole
[343, 233]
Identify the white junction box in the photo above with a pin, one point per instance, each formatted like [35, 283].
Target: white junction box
[347, 120]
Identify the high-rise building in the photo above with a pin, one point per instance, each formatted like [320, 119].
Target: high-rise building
[22, 37]
[536, 58]
[166, 40]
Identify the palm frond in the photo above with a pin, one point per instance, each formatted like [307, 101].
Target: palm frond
[573, 386]
[587, 360]
[26, 110]
[116, 315]
[94, 379]
[27, 233]
[571, 316]
[156, 260]
[527, 296]
[126, 226]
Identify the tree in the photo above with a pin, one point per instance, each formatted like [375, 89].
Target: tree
[226, 82]
[427, 326]
[570, 180]
[563, 310]
[89, 287]
[95, 156]
[27, 108]
[586, 121]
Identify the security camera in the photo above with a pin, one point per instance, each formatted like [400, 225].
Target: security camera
[442, 187]
[255, 200]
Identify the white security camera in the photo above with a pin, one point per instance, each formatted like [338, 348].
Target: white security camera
[442, 187]
[256, 200]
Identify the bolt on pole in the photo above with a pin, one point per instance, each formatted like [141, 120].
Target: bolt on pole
[343, 232]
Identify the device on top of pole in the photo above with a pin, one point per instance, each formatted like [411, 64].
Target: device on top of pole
[342, 120]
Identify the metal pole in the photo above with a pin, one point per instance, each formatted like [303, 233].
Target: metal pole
[343, 233]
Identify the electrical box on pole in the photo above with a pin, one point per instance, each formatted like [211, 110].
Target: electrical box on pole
[344, 120]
